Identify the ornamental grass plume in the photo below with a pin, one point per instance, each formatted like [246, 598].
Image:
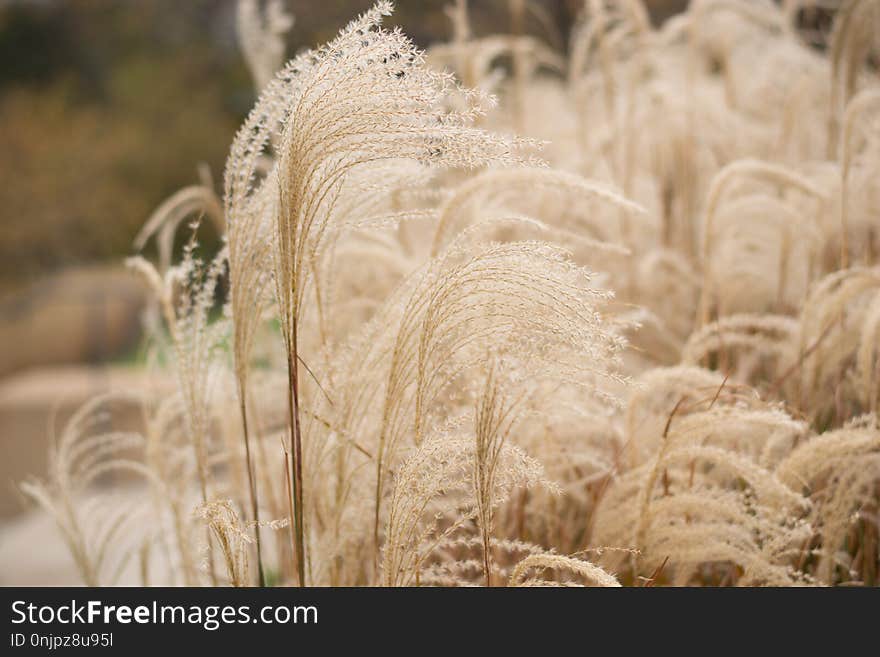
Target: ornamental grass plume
[593, 575]
[472, 304]
[365, 98]
[100, 533]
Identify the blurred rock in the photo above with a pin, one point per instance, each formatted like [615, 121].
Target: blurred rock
[81, 315]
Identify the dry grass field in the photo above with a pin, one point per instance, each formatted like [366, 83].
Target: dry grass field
[519, 309]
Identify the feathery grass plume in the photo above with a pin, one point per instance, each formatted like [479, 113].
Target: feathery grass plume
[433, 497]
[591, 574]
[862, 103]
[725, 537]
[195, 341]
[413, 364]
[386, 236]
[836, 317]
[387, 257]
[504, 186]
[365, 97]
[520, 298]
[763, 434]
[451, 565]
[679, 163]
[99, 530]
[721, 27]
[853, 37]
[840, 472]
[759, 235]
[248, 241]
[654, 397]
[430, 486]
[168, 455]
[703, 420]
[653, 343]
[763, 344]
[710, 495]
[261, 32]
[619, 35]
[506, 396]
[222, 518]
[196, 200]
[472, 61]
[758, 171]
[578, 442]
[494, 418]
[668, 286]
[606, 31]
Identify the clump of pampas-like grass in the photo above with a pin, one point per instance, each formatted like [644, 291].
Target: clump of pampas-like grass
[425, 357]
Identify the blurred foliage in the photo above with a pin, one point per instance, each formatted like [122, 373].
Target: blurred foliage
[115, 109]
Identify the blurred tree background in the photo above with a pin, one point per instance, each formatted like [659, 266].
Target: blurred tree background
[108, 106]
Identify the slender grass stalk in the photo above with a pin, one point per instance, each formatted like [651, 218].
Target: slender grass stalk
[295, 455]
[252, 486]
